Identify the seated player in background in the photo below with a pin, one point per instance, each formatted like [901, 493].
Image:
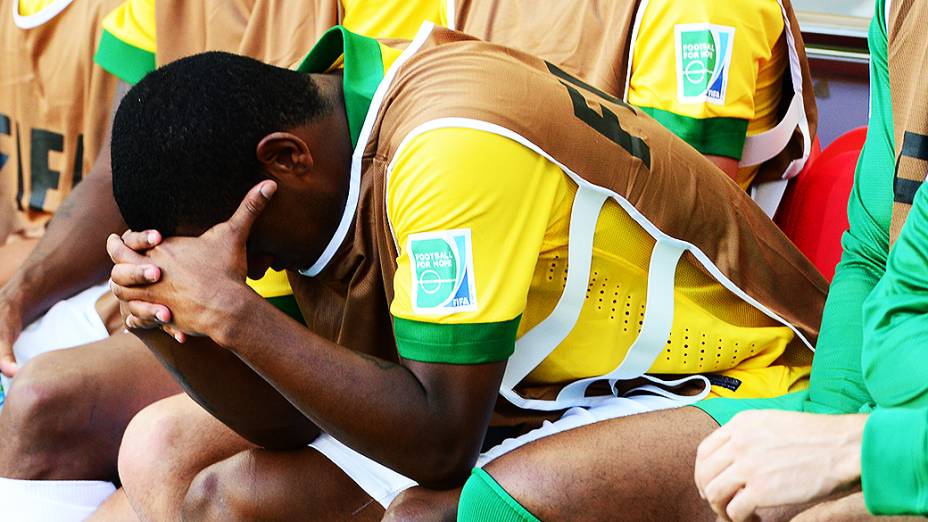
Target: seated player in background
[461, 149]
[54, 114]
[730, 79]
[54, 108]
[51, 451]
[764, 458]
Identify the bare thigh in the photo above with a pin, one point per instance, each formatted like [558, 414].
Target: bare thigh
[632, 468]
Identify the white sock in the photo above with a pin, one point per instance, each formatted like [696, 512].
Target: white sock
[51, 500]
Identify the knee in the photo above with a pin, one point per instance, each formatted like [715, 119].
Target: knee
[416, 504]
[408, 506]
[223, 491]
[147, 445]
[47, 403]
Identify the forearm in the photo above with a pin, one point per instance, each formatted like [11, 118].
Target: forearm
[896, 319]
[240, 398]
[71, 255]
[837, 384]
[381, 409]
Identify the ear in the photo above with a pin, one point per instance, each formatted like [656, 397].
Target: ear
[283, 155]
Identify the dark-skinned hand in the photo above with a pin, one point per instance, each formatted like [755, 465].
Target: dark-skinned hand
[184, 283]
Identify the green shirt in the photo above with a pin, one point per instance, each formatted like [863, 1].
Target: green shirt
[876, 313]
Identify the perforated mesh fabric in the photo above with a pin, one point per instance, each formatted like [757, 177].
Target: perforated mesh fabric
[713, 329]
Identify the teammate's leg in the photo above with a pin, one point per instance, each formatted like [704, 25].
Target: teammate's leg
[66, 412]
[164, 448]
[114, 509]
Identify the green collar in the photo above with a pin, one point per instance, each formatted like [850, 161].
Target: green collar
[363, 70]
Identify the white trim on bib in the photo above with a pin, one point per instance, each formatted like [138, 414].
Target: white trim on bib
[536, 344]
[354, 182]
[34, 20]
[762, 147]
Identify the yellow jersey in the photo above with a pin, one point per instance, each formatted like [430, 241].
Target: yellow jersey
[508, 211]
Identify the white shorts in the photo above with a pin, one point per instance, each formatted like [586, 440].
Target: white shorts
[383, 484]
[71, 322]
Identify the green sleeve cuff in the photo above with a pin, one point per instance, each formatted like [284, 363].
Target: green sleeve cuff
[476, 343]
[894, 466]
[288, 305]
[710, 136]
[126, 62]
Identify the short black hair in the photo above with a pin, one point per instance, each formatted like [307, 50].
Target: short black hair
[184, 138]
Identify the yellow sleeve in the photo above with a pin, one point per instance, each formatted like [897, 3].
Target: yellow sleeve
[707, 70]
[127, 47]
[469, 210]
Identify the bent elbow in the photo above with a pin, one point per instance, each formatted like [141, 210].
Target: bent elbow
[445, 469]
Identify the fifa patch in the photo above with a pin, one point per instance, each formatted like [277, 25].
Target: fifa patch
[703, 61]
[442, 272]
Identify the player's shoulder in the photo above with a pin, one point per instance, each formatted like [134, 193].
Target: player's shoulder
[457, 165]
[433, 151]
[742, 11]
[132, 21]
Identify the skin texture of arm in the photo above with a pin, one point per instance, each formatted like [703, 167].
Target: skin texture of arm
[727, 165]
[70, 256]
[278, 379]
[243, 401]
[426, 421]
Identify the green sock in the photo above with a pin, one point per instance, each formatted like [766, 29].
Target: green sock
[483, 499]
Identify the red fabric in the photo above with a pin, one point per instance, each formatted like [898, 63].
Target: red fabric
[814, 210]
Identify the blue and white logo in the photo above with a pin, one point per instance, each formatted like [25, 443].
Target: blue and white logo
[442, 272]
[703, 53]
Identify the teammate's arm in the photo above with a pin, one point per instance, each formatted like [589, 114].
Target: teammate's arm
[727, 165]
[69, 257]
[893, 461]
[837, 385]
[664, 85]
[896, 319]
[896, 324]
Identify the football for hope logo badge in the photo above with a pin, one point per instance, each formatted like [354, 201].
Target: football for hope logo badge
[703, 61]
[442, 272]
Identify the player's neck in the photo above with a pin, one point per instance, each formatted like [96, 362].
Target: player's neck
[337, 133]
